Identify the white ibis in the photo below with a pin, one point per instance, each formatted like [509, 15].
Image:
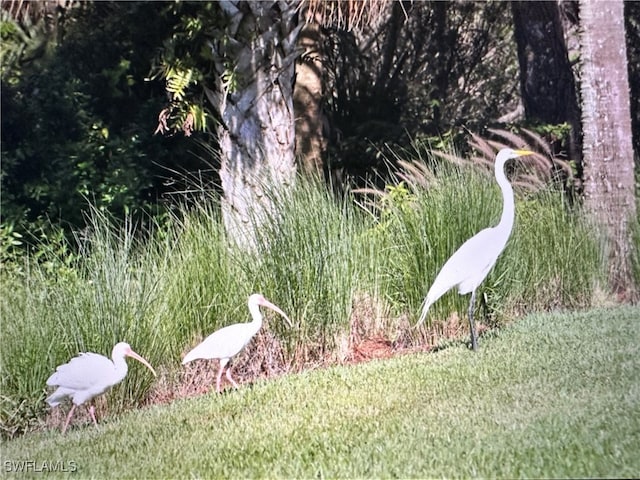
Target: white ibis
[472, 262]
[89, 375]
[227, 342]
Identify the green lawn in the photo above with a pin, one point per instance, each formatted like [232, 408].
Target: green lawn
[553, 395]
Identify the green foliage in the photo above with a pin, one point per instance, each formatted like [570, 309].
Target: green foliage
[203, 286]
[399, 198]
[559, 131]
[177, 82]
[9, 240]
[78, 120]
[563, 388]
[185, 64]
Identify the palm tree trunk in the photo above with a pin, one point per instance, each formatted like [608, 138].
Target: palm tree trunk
[311, 143]
[254, 59]
[606, 123]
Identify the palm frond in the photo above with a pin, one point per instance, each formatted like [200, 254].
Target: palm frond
[345, 14]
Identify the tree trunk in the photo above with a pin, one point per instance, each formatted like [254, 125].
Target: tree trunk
[632, 26]
[254, 59]
[307, 101]
[606, 122]
[546, 78]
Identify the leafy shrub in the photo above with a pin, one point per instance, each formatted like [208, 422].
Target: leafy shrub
[78, 119]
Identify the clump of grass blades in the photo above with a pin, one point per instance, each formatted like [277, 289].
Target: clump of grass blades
[312, 254]
[553, 260]
[203, 282]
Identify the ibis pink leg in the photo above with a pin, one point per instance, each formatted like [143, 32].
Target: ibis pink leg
[92, 412]
[231, 379]
[219, 378]
[66, 423]
[223, 363]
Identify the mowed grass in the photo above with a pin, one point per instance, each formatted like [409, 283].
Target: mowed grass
[551, 395]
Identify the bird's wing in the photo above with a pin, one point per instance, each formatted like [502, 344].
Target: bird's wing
[223, 343]
[469, 265]
[59, 395]
[82, 371]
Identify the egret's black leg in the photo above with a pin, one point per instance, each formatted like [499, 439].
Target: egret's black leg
[472, 326]
[485, 306]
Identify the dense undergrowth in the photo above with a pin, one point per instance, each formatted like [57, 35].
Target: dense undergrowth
[339, 269]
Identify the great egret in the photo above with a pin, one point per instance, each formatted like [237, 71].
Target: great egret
[472, 262]
[227, 342]
[88, 375]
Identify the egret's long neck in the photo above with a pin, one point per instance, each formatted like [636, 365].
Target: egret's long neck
[508, 210]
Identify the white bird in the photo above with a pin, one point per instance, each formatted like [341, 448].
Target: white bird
[472, 262]
[227, 342]
[89, 375]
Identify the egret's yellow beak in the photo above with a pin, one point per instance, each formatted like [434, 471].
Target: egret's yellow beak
[522, 153]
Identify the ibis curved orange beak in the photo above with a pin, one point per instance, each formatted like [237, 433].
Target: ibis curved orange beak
[266, 303]
[133, 354]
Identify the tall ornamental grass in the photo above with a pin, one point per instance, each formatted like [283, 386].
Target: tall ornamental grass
[552, 259]
[51, 312]
[314, 252]
[322, 259]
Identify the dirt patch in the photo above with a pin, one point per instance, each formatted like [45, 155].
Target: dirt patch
[264, 358]
[373, 348]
